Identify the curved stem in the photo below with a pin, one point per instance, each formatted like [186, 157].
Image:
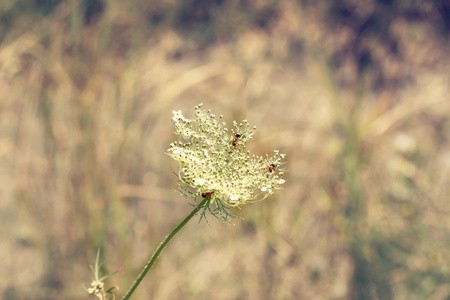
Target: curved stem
[161, 247]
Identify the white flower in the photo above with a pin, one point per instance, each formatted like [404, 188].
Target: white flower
[234, 197]
[175, 151]
[214, 160]
[193, 158]
[177, 115]
[200, 181]
[97, 288]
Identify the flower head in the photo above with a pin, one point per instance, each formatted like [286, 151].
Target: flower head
[213, 160]
[97, 288]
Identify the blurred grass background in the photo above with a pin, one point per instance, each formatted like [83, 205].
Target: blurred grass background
[356, 93]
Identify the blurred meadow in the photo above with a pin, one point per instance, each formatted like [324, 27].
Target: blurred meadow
[356, 93]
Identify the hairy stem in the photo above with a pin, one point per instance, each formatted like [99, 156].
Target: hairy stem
[161, 247]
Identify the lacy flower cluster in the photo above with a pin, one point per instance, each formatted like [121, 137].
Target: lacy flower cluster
[213, 160]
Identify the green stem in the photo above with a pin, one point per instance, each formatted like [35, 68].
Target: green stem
[161, 247]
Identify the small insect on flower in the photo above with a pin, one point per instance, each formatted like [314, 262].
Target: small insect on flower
[207, 194]
[236, 138]
[272, 167]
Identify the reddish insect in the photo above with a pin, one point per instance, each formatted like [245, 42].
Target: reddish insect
[204, 195]
[236, 138]
[272, 167]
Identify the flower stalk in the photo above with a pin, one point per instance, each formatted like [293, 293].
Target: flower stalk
[161, 247]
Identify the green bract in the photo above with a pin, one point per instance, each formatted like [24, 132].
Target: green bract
[213, 160]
